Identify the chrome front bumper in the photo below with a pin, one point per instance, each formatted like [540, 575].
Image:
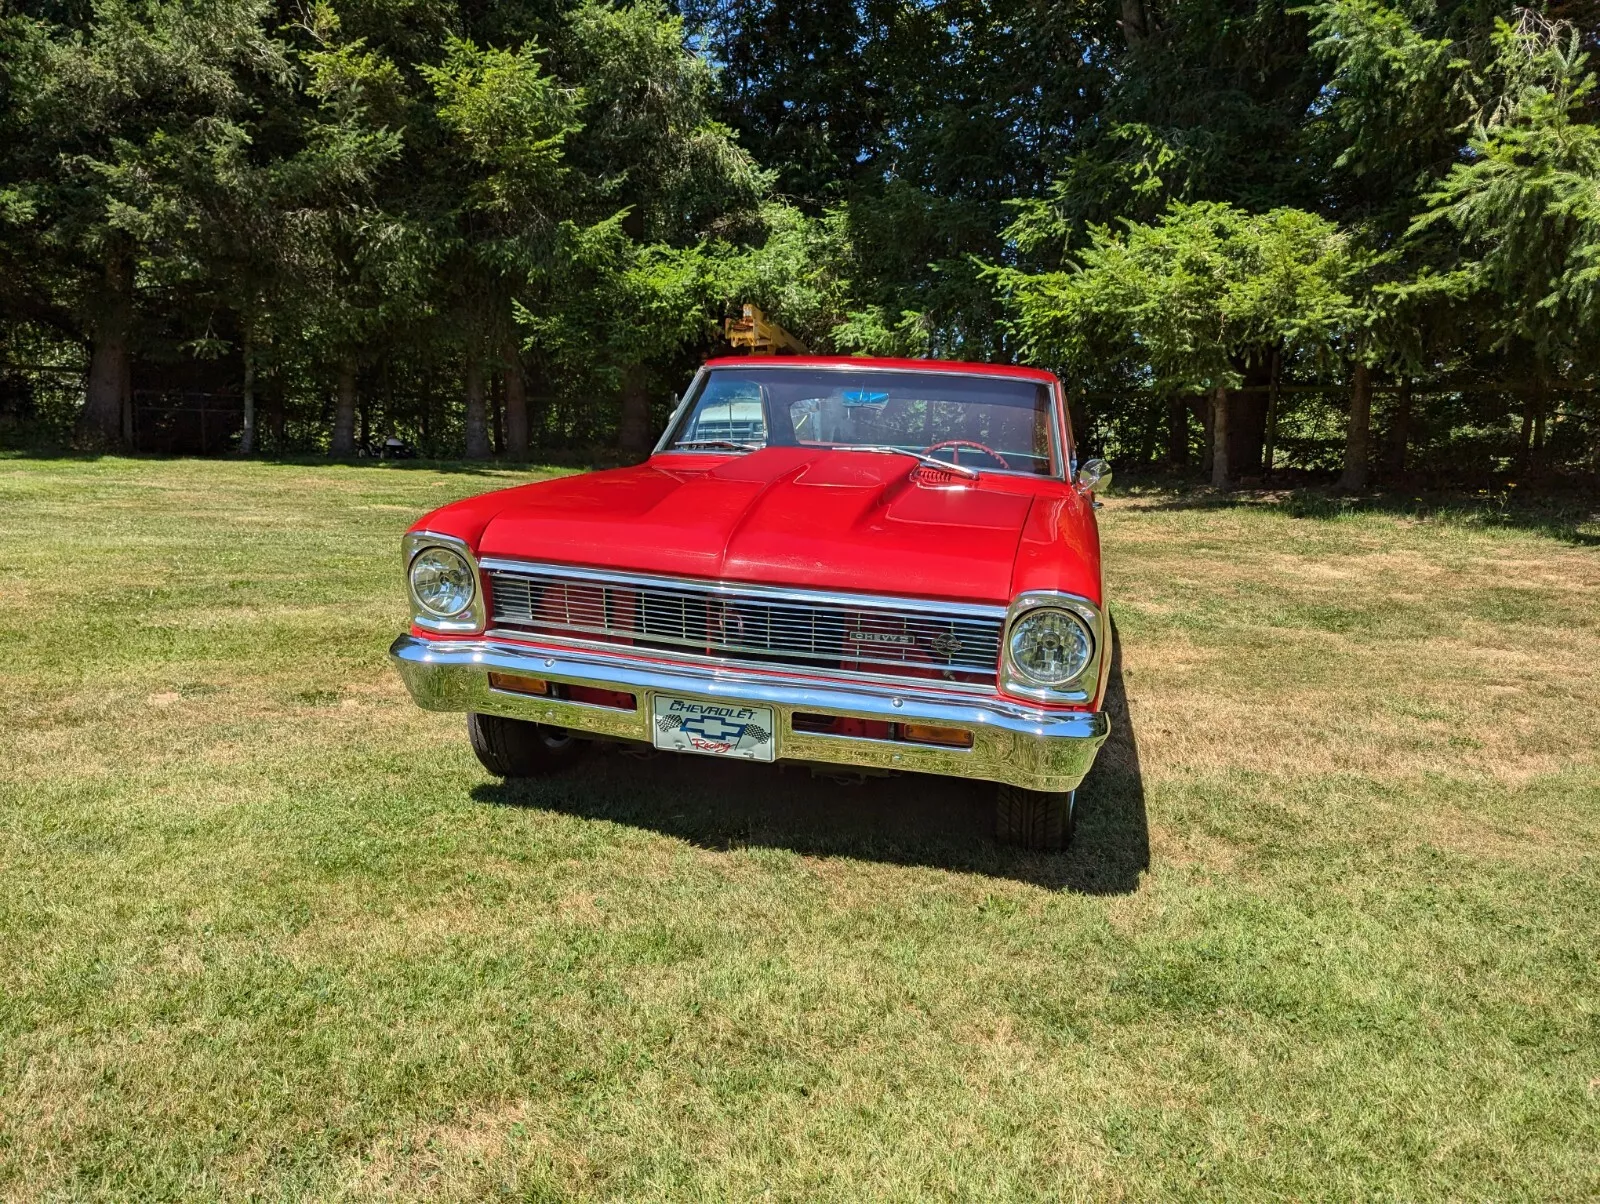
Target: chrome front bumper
[1012, 742]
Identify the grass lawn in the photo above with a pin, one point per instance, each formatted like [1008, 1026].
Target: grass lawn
[1331, 926]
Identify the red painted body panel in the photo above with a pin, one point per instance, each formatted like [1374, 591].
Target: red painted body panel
[802, 516]
[797, 516]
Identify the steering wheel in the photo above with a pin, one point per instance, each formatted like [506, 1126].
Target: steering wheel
[956, 444]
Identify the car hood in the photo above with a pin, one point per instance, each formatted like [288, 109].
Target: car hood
[808, 517]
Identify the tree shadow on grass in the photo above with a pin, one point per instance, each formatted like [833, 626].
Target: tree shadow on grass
[542, 464]
[1570, 514]
[498, 470]
[907, 819]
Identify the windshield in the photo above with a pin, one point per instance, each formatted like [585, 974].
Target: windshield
[989, 423]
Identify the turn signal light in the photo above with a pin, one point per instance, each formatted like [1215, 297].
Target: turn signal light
[840, 725]
[947, 737]
[596, 697]
[516, 683]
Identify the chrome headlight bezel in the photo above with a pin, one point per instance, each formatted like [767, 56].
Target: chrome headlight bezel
[1085, 686]
[471, 617]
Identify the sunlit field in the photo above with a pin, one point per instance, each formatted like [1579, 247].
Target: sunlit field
[1330, 927]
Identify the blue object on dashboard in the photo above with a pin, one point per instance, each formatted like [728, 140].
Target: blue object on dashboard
[861, 397]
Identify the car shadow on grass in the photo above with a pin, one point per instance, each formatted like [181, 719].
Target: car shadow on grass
[906, 819]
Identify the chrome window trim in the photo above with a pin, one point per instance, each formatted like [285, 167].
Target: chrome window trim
[1069, 451]
[793, 364]
[1058, 454]
[962, 484]
[1082, 688]
[677, 416]
[776, 593]
[413, 543]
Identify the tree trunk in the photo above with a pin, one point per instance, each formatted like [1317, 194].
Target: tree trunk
[497, 412]
[1358, 433]
[127, 401]
[1178, 431]
[1399, 436]
[1076, 422]
[278, 415]
[1220, 476]
[635, 432]
[344, 412]
[1269, 450]
[387, 379]
[1135, 23]
[1247, 421]
[1151, 433]
[105, 420]
[516, 405]
[543, 413]
[1541, 459]
[477, 411]
[427, 412]
[1525, 440]
[247, 437]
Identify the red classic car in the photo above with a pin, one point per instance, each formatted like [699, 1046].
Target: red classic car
[885, 564]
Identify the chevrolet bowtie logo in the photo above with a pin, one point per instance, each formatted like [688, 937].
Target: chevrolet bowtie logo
[712, 727]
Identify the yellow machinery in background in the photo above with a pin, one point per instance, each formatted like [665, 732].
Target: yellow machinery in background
[761, 335]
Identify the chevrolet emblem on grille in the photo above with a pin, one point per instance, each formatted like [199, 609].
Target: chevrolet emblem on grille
[899, 638]
[946, 644]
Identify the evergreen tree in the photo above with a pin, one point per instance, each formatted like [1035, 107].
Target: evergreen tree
[119, 115]
[1203, 293]
[500, 225]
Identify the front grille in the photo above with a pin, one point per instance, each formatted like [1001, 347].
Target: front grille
[878, 636]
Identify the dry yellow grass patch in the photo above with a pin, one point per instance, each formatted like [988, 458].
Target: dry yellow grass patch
[482, 1153]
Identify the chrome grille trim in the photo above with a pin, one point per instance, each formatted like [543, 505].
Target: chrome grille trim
[904, 639]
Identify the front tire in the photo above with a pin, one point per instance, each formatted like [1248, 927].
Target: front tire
[515, 748]
[1035, 819]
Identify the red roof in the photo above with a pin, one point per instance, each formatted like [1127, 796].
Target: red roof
[867, 361]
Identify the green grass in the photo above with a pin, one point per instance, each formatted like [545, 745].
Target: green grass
[267, 931]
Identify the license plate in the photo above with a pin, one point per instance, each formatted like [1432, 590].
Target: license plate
[713, 728]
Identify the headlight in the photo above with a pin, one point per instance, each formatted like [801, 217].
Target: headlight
[441, 582]
[1050, 647]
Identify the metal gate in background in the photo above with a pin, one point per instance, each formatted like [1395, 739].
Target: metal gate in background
[186, 422]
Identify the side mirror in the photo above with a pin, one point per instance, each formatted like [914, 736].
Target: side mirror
[1093, 473]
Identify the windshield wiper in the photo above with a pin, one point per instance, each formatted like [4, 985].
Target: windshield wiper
[727, 443]
[889, 449]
